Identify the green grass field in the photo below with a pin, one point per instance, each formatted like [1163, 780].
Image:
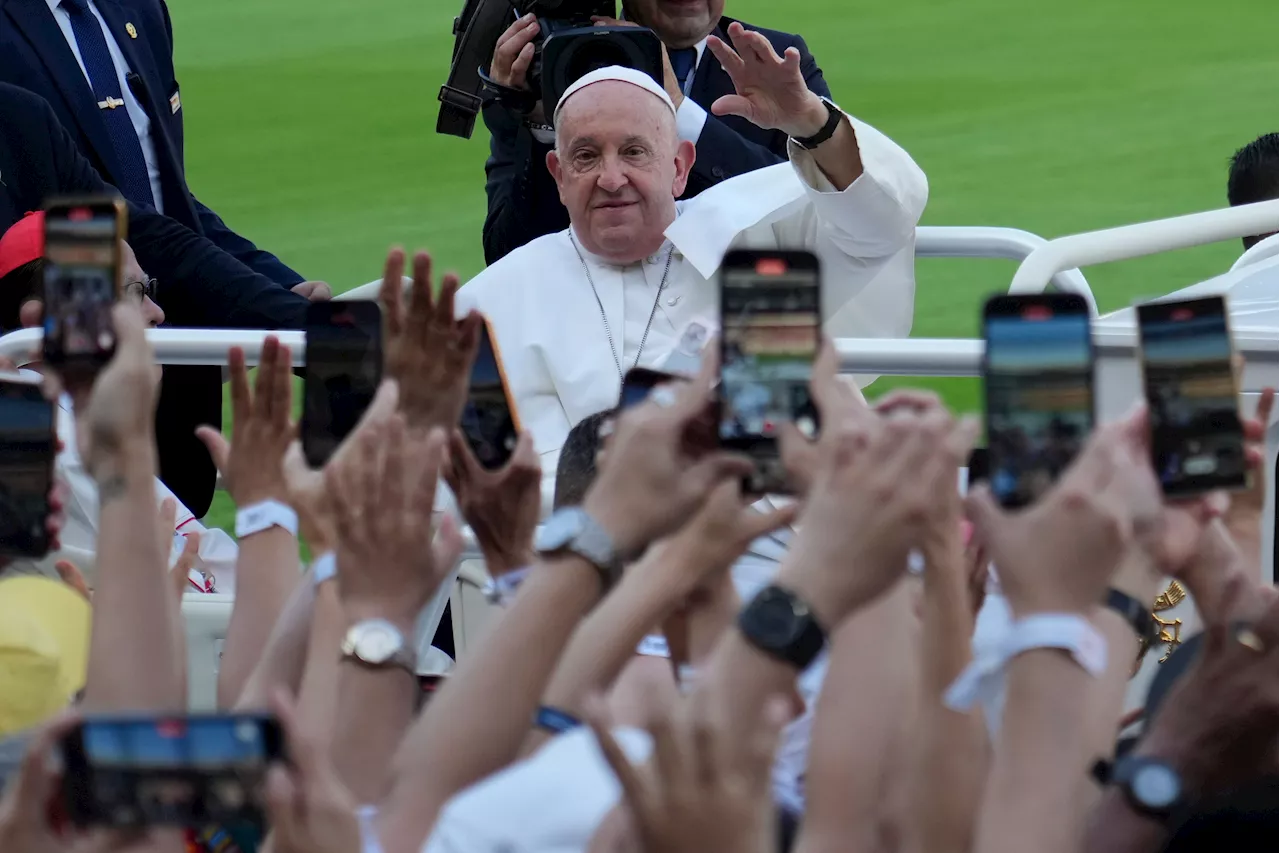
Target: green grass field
[310, 126]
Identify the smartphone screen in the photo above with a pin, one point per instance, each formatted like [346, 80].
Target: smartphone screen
[770, 321]
[639, 383]
[1197, 441]
[489, 421]
[28, 445]
[1038, 376]
[177, 771]
[82, 281]
[342, 372]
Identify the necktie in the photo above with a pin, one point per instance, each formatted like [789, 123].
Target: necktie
[132, 179]
[682, 62]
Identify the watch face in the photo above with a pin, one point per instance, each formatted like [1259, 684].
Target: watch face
[376, 641]
[1156, 786]
[774, 622]
[559, 530]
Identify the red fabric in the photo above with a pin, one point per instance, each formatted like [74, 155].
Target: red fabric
[22, 243]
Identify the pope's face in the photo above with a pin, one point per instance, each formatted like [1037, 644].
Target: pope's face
[679, 23]
[619, 168]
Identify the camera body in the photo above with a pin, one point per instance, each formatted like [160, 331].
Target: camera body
[567, 47]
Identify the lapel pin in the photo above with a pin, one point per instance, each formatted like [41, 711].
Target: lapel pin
[131, 30]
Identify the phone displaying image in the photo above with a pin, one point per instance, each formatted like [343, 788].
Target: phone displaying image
[771, 328]
[639, 383]
[1197, 440]
[178, 771]
[489, 420]
[1038, 378]
[83, 245]
[342, 372]
[28, 445]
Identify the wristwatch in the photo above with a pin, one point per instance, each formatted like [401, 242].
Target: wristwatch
[378, 644]
[572, 531]
[779, 624]
[1152, 787]
[834, 115]
[1136, 614]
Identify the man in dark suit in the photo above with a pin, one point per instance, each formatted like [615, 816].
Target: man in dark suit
[106, 68]
[523, 201]
[39, 159]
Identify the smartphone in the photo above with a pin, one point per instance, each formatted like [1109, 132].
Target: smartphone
[1038, 379]
[639, 382]
[341, 375]
[28, 445]
[83, 278]
[1197, 440]
[771, 329]
[489, 420]
[136, 770]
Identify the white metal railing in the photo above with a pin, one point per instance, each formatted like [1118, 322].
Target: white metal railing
[1142, 239]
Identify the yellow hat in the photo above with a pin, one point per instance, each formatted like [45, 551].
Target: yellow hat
[44, 649]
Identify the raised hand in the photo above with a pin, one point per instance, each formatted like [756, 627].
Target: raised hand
[1059, 555]
[699, 792]
[383, 493]
[873, 500]
[836, 400]
[771, 91]
[305, 486]
[1244, 517]
[424, 348]
[262, 427]
[24, 809]
[662, 463]
[501, 506]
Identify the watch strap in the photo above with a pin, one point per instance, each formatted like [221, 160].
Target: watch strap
[405, 657]
[592, 543]
[1135, 613]
[265, 515]
[834, 116]
[1124, 773]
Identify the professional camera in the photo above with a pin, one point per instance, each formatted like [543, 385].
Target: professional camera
[568, 46]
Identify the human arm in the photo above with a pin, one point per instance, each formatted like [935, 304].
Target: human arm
[242, 249]
[252, 466]
[283, 659]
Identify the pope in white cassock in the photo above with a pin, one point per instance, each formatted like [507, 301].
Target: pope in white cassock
[573, 311]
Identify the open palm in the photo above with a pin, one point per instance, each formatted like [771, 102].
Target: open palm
[771, 91]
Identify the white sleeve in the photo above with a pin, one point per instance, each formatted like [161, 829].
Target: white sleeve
[690, 119]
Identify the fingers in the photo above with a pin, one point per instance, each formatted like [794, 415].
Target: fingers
[761, 523]
[1267, 625]
[733, 105]
[987, 516]
[596, 717]
[265, 381]
[391, 294]
[525, 457]
[448, 544]
[420, 296]
[520, 65]
[514, 52]
[282, 801]
[217, 446]
[36, 777]
[241, 402]
[712, 469]
[729, 59]
[131, 330]
[383, 405]
[73, 577]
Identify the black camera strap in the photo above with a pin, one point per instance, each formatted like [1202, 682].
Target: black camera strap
[476, 29]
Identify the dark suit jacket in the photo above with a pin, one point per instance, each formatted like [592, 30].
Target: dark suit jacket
[524, 203]
[38, 159]
[35, 56]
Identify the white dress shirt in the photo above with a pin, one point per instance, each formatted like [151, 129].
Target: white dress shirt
[141, 123]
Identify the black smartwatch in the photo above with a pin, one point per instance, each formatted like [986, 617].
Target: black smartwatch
[1136, 614]
[834, 115]
[779, 624]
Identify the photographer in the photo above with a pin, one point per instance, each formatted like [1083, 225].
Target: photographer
[523, 201]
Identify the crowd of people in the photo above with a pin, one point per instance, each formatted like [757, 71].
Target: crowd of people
[679, 667]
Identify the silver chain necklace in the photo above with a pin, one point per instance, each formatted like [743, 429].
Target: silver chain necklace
[604, 318]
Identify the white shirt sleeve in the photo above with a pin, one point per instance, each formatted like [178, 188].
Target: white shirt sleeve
[690, 119]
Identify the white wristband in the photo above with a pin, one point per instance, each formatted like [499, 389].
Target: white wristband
[1070, 632]
[323, 568]
[502, 589]
[265, 515]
